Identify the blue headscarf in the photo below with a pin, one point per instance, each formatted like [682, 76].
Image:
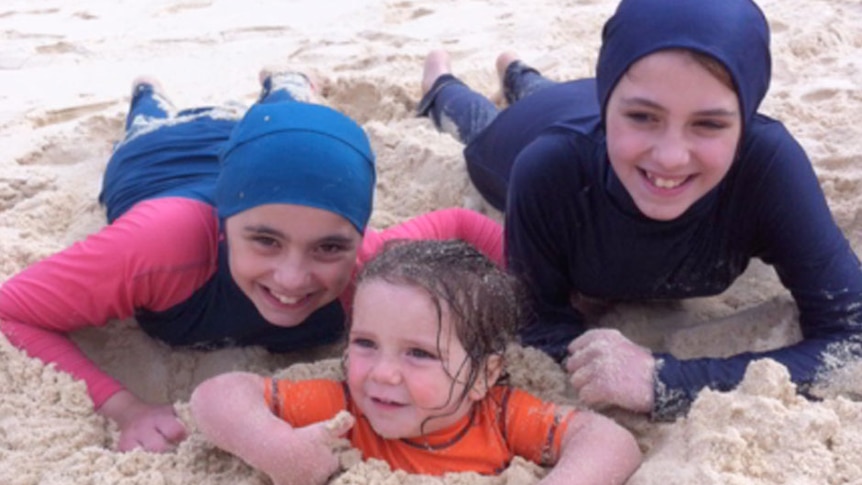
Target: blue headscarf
[734, 32]
[297, 153]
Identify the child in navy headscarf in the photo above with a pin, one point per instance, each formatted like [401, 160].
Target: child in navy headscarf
[223, 231]
[658, 179]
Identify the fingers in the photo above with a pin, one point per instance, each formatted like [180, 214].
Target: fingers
[592, 345]
[158, 434]
[172, 430]
[607, 369]
[340, 424]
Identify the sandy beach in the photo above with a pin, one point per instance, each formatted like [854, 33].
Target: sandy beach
[65, 76]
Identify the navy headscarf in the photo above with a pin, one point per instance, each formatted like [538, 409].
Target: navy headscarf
[734, 32]
[297, 153]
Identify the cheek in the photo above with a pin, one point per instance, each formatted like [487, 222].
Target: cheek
[720, 155]
[243, 263]
[623, 145]
[432, 390]
[337, 275]
[356, 370]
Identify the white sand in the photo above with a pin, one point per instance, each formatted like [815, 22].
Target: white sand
[65, 72]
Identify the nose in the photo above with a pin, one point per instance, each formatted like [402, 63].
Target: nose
[672, 150]
[292, 271]
[386, 371]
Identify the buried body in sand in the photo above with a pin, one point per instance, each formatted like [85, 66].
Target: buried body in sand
[760, 433]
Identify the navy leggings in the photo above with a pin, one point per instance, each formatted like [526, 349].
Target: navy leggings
[166, 154]
[458, 110]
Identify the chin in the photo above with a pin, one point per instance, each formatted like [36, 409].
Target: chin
[286, 320]
[390, 434]
[663, 213]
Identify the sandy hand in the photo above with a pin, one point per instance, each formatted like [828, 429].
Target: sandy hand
[340, 424]
[153, 427]
[313, 460]
[607, 369]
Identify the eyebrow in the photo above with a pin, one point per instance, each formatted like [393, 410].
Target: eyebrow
[652, 104]
[270, 231]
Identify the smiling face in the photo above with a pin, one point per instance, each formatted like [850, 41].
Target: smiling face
[403, 364]
[672, 132]
[291, 260]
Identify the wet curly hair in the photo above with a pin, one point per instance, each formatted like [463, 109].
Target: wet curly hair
[482, 299]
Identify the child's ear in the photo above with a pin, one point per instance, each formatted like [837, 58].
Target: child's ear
[491, 372]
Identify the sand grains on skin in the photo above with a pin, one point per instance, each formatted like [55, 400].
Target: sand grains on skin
[63, 107]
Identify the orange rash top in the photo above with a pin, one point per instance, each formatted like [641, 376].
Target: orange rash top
[506, 423]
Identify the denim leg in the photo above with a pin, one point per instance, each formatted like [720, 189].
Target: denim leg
[456, 109]
[146, 104]
[521, 80]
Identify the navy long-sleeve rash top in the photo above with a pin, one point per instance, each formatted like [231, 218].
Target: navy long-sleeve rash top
[572, 228]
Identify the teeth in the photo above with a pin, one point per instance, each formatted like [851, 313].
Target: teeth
[666, 183]
[286, 299]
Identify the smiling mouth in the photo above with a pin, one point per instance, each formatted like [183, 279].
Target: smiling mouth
[386, 403]
[289, 300]
[664, 182]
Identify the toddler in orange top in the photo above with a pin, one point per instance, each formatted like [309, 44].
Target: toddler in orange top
[424, 369]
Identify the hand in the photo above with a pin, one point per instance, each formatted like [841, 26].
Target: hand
[313, 460]
[608, 369]
[143, 425]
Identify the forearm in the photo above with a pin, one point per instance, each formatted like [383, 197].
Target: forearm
[124, 266]
[595, 451]
[678, 382]
[230, 410]
[58, 349]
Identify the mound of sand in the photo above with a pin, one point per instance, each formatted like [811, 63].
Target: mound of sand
[66, 70]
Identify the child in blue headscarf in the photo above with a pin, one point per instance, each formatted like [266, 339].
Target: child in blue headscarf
[658, 179]
[223, 231]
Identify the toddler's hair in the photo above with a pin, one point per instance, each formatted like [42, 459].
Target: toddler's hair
[484, 302]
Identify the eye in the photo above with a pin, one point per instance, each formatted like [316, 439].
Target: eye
[265, 241]
[641, 117]
[332, 248]
[711, 124]
[421, 354]
[363, 343]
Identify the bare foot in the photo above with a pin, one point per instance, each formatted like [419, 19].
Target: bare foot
[436, 64]
[148, 80]
[503, 61]
[302, 86]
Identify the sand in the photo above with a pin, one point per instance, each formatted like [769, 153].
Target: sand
[65, 73]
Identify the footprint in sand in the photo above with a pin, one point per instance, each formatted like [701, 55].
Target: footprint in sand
[61, 47]
[65, 114]
[371, 98]
[15, 188]
[188, 6]
[100, 132]
[404, 11]
[822, 94]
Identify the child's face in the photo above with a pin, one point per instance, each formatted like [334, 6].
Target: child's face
[291, 260]
[397, 361]
[672, 132]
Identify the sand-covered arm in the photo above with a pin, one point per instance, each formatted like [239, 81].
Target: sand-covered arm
[595, 450]
[153, 257]
[797, 234]
[232, 411]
